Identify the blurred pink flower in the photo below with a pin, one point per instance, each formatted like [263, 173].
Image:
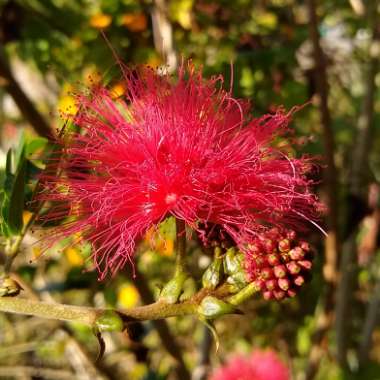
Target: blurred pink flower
[183, 147]
[260, 365]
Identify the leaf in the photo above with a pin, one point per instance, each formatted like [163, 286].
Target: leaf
[19, 152]
[35, 145]
[12, 202]
[8, 164]
[16, 199]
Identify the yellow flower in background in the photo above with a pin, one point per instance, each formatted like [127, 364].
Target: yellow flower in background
[135, 22]
[180, 11]
[26, 216]
[36, 252]
[118, 90]
[154, 61]
[128, 296]
[74, 257]
[100, 21]
[66, 103]
[91, 76]
[162, 240]
[166, 247]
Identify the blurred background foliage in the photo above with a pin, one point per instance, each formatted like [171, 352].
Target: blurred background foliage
[51, 47]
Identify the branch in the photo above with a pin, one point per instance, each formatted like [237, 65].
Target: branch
[163, 34]
[363, 144]
[44, 373]
[324, 313]
[88, 315]
[24, 104]
[329, 145]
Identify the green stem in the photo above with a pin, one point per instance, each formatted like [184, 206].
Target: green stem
[243, 295]
[13, 249]
[181, 247]
[11, 253]
[49, 310]
[88, 315]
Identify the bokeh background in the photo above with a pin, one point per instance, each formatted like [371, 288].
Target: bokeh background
[282, 53]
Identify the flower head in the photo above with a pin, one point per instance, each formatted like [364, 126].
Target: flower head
[181, 147]
[279, 263]
[260, 365]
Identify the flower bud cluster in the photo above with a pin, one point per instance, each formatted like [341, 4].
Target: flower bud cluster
[278, 263]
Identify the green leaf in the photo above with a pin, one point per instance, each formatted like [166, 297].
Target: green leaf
[8, 164]
[35, 145]
[13, 193]
[16, 200]
[19, 152]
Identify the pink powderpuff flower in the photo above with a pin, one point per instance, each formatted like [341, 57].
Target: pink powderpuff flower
[260, 365]
[182, 147]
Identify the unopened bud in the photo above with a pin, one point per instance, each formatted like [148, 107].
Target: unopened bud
[261, 262]
[266, 273]
[260, 284]
[279, 271]
[109, 321]
[269, 245]
[271, 284]
[268, 295]
[273, 259]
[238, 279]
[213, 274]
[297, 253]
[284, 245]
[293, 267]
[279, 294]
[305, 264]
[299, 280]
[230, 262]
[212, 307]
[284, 284]
[304, 245]
[173, 289]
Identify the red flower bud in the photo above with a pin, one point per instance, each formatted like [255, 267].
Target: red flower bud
[283, 284]
[279, 294]
[271, 284]
[268, 295]
[283, 270]
[293, 267]
[273, 259]
[267, 273]
[304, 245]
[280, 271]
[284, 245]
[260, 261]
[269, 245]
[299, 280]
[305, 264]
[260, 284]
[297, 253]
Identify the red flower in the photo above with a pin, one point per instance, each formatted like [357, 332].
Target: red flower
[260, 365]
[181, 147]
